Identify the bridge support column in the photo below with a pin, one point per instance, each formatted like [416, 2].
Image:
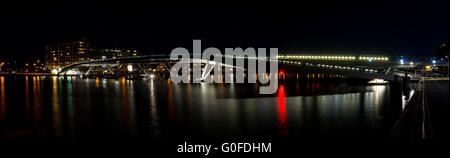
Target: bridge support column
[207, 70]
[167, 66]
[142, 69]
[89, 71]
[117, 71]
[110, 70]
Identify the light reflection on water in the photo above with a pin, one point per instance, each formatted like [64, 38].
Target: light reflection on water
[55, 107]
[282, 118]
[2, 99]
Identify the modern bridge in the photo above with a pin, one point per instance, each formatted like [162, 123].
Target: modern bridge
[350, 66]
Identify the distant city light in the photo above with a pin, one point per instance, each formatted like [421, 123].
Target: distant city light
[428, 68]
[130, 68]
[434, 61]
[411, 63]
[401, 61]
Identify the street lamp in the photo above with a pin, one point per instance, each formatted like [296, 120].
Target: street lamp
[1, 65]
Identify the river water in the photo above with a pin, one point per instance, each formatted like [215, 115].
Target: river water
[46, 107]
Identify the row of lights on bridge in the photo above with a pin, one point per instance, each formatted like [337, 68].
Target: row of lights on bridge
[331, 66]
[374, 58]
[332, 57]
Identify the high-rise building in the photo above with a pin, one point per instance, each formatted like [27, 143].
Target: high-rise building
[65, 53]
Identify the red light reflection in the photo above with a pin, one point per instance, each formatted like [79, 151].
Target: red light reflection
[282, 116]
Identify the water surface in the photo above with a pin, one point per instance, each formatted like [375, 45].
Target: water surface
[38, 107]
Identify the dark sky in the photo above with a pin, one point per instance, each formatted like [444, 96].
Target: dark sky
[395, 27]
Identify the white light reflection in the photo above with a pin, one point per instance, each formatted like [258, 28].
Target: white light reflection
[154, 122]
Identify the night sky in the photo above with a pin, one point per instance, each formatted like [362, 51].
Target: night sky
[368, 27]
